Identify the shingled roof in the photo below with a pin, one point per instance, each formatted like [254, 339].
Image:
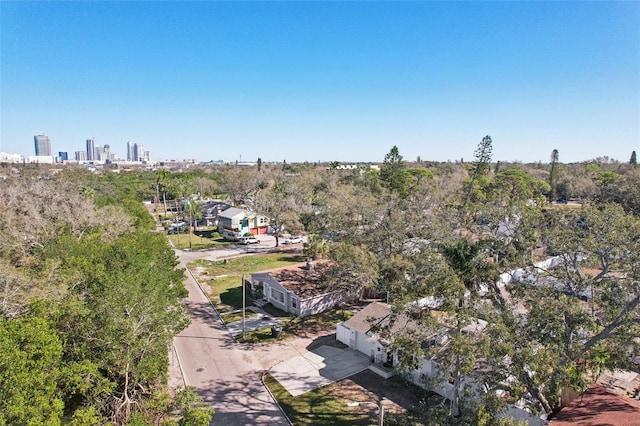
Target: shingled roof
[598, 406]
[302, 281]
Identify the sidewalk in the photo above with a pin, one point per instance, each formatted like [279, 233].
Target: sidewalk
[261, 320]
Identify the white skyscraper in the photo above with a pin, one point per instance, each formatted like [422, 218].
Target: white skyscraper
[130, 151]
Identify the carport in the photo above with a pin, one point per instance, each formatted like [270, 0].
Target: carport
[317, 368]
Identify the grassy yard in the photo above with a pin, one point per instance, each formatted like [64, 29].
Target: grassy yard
[225, 279]
[319, 407]
[295, 326]
[201, 239]
[405, 403]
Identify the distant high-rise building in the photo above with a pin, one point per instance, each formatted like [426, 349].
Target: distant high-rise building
[130, 151]
[42, 145]
[91, 149]
[63, 156]
[138, 152]
[81, 155]
[106, 152]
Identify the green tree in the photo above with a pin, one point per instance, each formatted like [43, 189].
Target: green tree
[131, 298]
[480, 167]
[596, 250]
[316, 247]
[89, 302]
[514, 185]
[161, 179]
[354, 268]
[30, 355]
[633, 160]
[192, 408]
[392, 172]
[281, 202]
[418, 176]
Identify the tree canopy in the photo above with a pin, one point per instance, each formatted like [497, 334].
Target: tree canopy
[90, 302]
[90, 298]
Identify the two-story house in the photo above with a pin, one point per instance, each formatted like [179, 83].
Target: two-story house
[234, 223]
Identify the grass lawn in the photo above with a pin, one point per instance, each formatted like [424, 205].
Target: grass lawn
[201, 239]
[225, 279]
[319, 407]
[295, 326]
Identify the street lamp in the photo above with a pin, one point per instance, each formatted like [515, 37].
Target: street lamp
[375, 404]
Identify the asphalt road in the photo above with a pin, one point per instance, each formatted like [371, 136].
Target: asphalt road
[226, 375]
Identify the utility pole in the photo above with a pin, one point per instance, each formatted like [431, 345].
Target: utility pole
[244, 302]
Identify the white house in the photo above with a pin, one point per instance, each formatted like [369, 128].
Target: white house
[357, 334]
[299, 290]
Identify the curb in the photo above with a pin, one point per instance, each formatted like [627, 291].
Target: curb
[184, 378]
[205, 294]
[274, 398]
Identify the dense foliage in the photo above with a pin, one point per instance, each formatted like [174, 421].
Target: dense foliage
[90, 298]
[90, 301]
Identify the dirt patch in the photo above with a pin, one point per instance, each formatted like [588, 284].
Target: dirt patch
[397, 397]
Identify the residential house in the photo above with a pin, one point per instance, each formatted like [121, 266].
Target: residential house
[358, 334]
[234, 223]
[299, 290]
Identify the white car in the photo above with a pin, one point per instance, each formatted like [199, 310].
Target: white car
[248, 240]
[293, 240]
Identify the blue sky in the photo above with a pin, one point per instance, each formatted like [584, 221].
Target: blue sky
[323, 81]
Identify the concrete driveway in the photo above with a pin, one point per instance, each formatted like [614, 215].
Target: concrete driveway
[317, 368]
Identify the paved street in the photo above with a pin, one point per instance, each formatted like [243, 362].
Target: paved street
[267, 244]
[224, 374]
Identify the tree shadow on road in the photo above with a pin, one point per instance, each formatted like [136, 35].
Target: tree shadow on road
[242, 401]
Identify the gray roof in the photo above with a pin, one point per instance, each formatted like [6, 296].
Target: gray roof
[374, 311]
[231, 212]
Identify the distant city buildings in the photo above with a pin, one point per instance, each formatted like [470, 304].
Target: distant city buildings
[91, 149]
[94, 154]
[5, 157]
[136, 152]
[42, 145]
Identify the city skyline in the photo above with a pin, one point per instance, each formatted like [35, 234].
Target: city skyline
[93, 151]
[324, 81]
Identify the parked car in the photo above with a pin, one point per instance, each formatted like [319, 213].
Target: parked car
[293, 240]
[248, 240]
[177, 228]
